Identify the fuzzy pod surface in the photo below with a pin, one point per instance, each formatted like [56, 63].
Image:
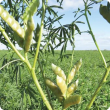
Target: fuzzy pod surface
[62, 84]
[72, 100]
[58, 71]
[28, 34]
[71, 75]
[11, 22]
[30, 10]
[54, 88]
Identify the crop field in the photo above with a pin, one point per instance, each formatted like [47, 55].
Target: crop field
[89, 75]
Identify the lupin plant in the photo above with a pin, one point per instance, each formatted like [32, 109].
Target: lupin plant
[23, 36]
[64, 87]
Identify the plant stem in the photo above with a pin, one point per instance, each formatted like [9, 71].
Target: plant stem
[98, 88]
[93, 37]
[105, 64]
[40, 34]
[11, 44]
[40, 89]
[47, 90]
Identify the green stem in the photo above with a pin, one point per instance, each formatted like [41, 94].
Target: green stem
[43, 75]
[11, 44]
[40, 89]
[32, 72]
[73, 48]
[98, 88]
[107, 69]
[93, 37]
[40, 34]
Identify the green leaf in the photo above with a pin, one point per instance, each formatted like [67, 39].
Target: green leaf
[104, 12]
[55, 6]
[29, 99]
[89, 12]
[24, 98]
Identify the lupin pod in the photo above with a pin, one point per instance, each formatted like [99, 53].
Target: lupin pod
[28, 34]
[78, 65]
[72, 100]
[19, 40]
[54, 88]
[71, 75]
[58, 71]
[11, 22]
[37, 31]
[30, 10]
[72, 88]
[62, 85]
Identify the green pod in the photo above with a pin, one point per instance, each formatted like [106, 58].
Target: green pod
[30, 10]
[58, 71]
[11, 22]
[56, 91]
[72, 88]
[62, 85]
[72, 100]
[37, 31]
[1, 10]
[71, 75]
[28, 34]
[19, 40]
[78, 65]
[4, 14]
[105, 12]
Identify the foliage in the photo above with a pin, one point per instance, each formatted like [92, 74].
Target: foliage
[26, 73]
[90, 74]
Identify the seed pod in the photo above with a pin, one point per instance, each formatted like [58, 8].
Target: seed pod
[72, 100]
[78, 65]
[28, 34]
[71, 75]
[56, 91]
[19, 40]
[105, 12]
[11, 22]
[72, 88]
[37, 31]
[58, 71]
[1, 10]
[4, 14]
[62, 85]
[30, 10]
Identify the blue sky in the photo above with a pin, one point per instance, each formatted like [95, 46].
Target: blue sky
[99, 25]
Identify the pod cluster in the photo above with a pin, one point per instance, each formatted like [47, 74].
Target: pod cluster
[64, 88]
[22, 36]
[11, 22]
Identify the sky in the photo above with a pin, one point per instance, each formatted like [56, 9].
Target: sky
[99, 25]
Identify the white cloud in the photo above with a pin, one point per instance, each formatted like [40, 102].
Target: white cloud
[67, 4]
